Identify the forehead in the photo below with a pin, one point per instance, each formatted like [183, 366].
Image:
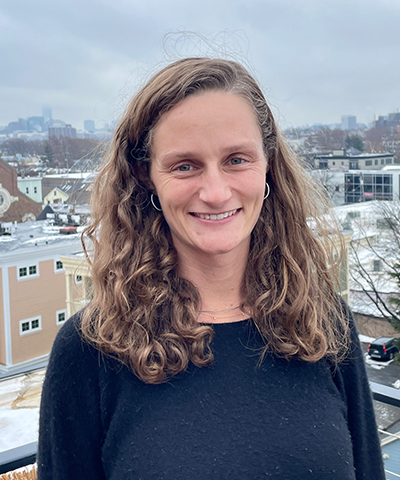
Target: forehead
[207, 116]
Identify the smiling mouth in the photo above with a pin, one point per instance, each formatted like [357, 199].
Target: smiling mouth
[212, 216]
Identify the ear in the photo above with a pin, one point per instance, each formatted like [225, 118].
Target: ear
[143, 174]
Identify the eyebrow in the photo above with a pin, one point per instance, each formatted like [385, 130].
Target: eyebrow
[226, 151]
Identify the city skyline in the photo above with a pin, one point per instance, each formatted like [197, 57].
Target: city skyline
[103, 124]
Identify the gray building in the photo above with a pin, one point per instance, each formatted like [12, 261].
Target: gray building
[89, 126]
[59, 132]
[349, 122]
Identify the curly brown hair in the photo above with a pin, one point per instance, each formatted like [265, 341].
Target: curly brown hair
[142, 311]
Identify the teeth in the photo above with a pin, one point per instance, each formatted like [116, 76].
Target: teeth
[220, 216]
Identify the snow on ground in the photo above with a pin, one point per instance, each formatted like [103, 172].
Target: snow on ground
[18, 427]
[19, 409]
[376, 364]
[365, 339]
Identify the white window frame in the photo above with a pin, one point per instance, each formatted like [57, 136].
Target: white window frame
[78, 282]
[58, 270]
[31, 330]
[28, 275]
[64, 311]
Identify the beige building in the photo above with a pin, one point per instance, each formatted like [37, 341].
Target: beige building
[32, 293]
[55, 195]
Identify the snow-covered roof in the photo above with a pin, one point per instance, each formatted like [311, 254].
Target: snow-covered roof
[19, 409]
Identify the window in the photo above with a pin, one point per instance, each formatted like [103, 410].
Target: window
[333, 163]
[377, 265]
[383, 161]
[369, 186]
[376, 162]
[78, 278]
[58, 266]
[30, 325]
[61, 316]
[34, 189]
[23, 272]
[388, 160]
[26, 189]
[55, 192]
[25, 326]
[368, 163]
[29, 271]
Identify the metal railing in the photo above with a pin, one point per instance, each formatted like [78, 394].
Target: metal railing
[389, 396]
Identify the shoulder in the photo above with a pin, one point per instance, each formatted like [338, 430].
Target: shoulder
[70, 348]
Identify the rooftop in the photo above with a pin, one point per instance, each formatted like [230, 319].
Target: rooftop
[34, 236]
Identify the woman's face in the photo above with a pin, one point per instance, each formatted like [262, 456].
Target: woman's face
[208, 169]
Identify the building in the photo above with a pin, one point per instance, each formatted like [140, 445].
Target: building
[32, 187]
[73, 188]
[62, 131]
[374, 248]
[89, 126]
[15, 206]
[54, 195]
[355, 186]
[349, 122]
[353, 159]
[32, 292]
[391, 120]
[36, 124]
[364, 186]
[47, 114]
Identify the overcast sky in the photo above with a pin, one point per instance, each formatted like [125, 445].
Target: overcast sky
[315, 59]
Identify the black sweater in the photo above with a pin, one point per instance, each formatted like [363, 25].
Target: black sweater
[233, 420]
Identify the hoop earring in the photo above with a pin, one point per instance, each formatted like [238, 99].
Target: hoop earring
[268, 191]
[154, 205]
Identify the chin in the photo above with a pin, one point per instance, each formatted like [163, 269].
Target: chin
[218, 249]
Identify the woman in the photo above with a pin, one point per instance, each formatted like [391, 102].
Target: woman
[215, 346]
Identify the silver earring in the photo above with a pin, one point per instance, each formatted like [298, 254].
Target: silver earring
[153, 203]
[268, 191]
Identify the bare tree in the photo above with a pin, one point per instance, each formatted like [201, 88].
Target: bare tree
[328, 181]
[374, 258]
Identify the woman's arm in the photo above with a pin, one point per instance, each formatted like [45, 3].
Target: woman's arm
[70, 429]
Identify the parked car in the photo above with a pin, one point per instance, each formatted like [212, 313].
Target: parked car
[383, 348]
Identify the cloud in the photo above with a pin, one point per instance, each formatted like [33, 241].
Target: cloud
[316, 60]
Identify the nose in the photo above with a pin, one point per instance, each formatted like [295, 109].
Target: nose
[215, 188]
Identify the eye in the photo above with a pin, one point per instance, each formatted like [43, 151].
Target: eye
[184, 168]
[236, 161]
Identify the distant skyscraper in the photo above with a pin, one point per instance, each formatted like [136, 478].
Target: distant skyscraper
[36, 124]
[349, 122]
[47, 114]
[88, 125]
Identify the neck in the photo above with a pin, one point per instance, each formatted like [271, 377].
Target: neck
[218, 277]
